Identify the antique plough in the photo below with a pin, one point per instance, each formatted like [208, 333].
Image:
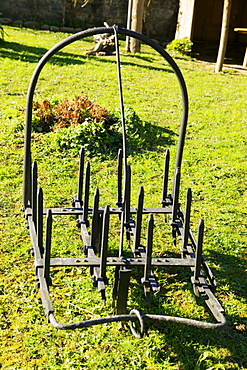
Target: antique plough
[94, 221]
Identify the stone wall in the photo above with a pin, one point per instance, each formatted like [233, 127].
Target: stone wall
[163, 19]
[159, 23]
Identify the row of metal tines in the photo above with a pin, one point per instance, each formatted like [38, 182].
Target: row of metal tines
[95, 238]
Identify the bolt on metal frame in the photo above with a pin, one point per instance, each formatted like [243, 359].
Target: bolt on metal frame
[95, 236]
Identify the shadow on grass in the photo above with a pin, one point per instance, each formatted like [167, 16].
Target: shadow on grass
[231, 272]
[164, 138]
[183, 344]
[106, 59]
[31, 54]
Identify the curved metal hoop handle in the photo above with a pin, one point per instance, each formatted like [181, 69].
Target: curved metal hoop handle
[68, 41]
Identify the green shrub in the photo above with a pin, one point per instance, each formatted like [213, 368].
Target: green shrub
[183, 46]
[97, 138]
[138, 132]
[93, 136]
[81, 122]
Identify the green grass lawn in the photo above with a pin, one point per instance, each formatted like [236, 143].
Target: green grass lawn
[214, 166]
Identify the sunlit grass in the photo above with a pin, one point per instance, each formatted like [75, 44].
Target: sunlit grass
[214, 166]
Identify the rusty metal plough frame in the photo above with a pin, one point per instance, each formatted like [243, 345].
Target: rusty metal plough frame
[95, 236]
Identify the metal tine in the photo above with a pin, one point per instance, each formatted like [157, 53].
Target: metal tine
[122, 290]
[125, 214]
[165, 178]
[104, 242]
[95, 219]
[127, 194]
[176, 194]
[95, 236]
[137, 239]
[48, 247]
[199, 250]
[115, 285]
[198, 262]
[187, 221]
[86, 194]
[34, 192]
[175, 203]
[119, 179]
[127, 204]
[103, 253]
[122, 216]
[40, 220]
[149, 248]
[80, 176]
[148, 258]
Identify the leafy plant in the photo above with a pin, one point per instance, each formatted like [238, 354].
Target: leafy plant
[81, 122]
[49, 116]
[93, 136]
[183, 46]
[44, 116]
[139, 133]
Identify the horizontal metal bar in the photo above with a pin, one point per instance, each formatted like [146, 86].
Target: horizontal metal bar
[113, 210]
[116, 261]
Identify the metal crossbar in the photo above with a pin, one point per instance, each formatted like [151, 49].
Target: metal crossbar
[94, 221]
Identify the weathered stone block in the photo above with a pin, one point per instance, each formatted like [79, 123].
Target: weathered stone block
[5, 21]
[45, 27]
[67, 29]
[30, 24]
[54, 28]
[18, 22]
